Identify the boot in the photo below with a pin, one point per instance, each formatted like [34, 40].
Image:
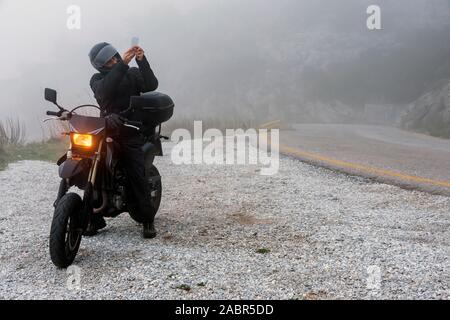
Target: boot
[149, 230]
[96, 223]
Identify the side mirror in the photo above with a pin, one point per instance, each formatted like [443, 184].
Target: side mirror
[51, 95]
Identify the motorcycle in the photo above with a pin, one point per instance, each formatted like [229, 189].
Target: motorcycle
[92, 165]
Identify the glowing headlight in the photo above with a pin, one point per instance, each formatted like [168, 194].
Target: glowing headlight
[82, 140]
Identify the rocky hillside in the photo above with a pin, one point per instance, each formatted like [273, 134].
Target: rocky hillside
[431, 112]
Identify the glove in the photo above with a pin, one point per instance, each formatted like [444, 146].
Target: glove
[114, 121]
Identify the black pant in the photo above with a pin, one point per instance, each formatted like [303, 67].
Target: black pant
[132, 160]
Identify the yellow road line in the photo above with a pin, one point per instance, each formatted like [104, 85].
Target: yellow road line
[355, 166]
[270, 125]
[368, 169]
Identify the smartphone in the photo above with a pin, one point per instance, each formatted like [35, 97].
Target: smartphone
[134, 41]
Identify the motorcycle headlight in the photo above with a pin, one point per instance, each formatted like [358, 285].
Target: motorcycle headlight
[82, 140]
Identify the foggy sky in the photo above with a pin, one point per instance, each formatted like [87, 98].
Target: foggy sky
[213, 57]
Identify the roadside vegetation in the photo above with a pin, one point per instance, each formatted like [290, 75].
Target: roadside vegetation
[13, 145]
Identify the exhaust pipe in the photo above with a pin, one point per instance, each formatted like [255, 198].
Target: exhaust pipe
[104, 204]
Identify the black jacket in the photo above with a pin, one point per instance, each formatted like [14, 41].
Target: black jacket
[114, 88]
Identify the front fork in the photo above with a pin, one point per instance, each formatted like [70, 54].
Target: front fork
[87, 198]
[63, 188]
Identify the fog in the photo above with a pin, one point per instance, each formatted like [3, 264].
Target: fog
[287, 59]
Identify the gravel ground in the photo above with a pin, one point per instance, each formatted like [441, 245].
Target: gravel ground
[226, 232]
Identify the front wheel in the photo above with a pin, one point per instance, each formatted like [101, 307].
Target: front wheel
[66, 231]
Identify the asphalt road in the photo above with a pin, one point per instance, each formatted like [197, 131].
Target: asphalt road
[389, 155]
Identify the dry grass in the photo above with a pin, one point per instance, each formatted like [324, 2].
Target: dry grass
[13, 146]
[53, 130]
[12, 132]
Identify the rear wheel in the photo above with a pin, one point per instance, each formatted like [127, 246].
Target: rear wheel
[153, 179]
[66, 231]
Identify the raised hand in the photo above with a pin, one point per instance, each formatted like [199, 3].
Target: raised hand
[139, 53]
[129, 55]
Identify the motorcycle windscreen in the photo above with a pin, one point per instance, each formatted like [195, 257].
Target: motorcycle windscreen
[87, 125]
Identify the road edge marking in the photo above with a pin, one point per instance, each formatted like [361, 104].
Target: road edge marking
[363, 168]
[292, 151]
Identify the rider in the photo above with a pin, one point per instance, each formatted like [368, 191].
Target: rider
[113, 86]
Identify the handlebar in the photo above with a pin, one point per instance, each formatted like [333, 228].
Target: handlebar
[66, 115]
[53, 113]
[134, 123]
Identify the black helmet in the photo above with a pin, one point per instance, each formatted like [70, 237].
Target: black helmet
[100, 54]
